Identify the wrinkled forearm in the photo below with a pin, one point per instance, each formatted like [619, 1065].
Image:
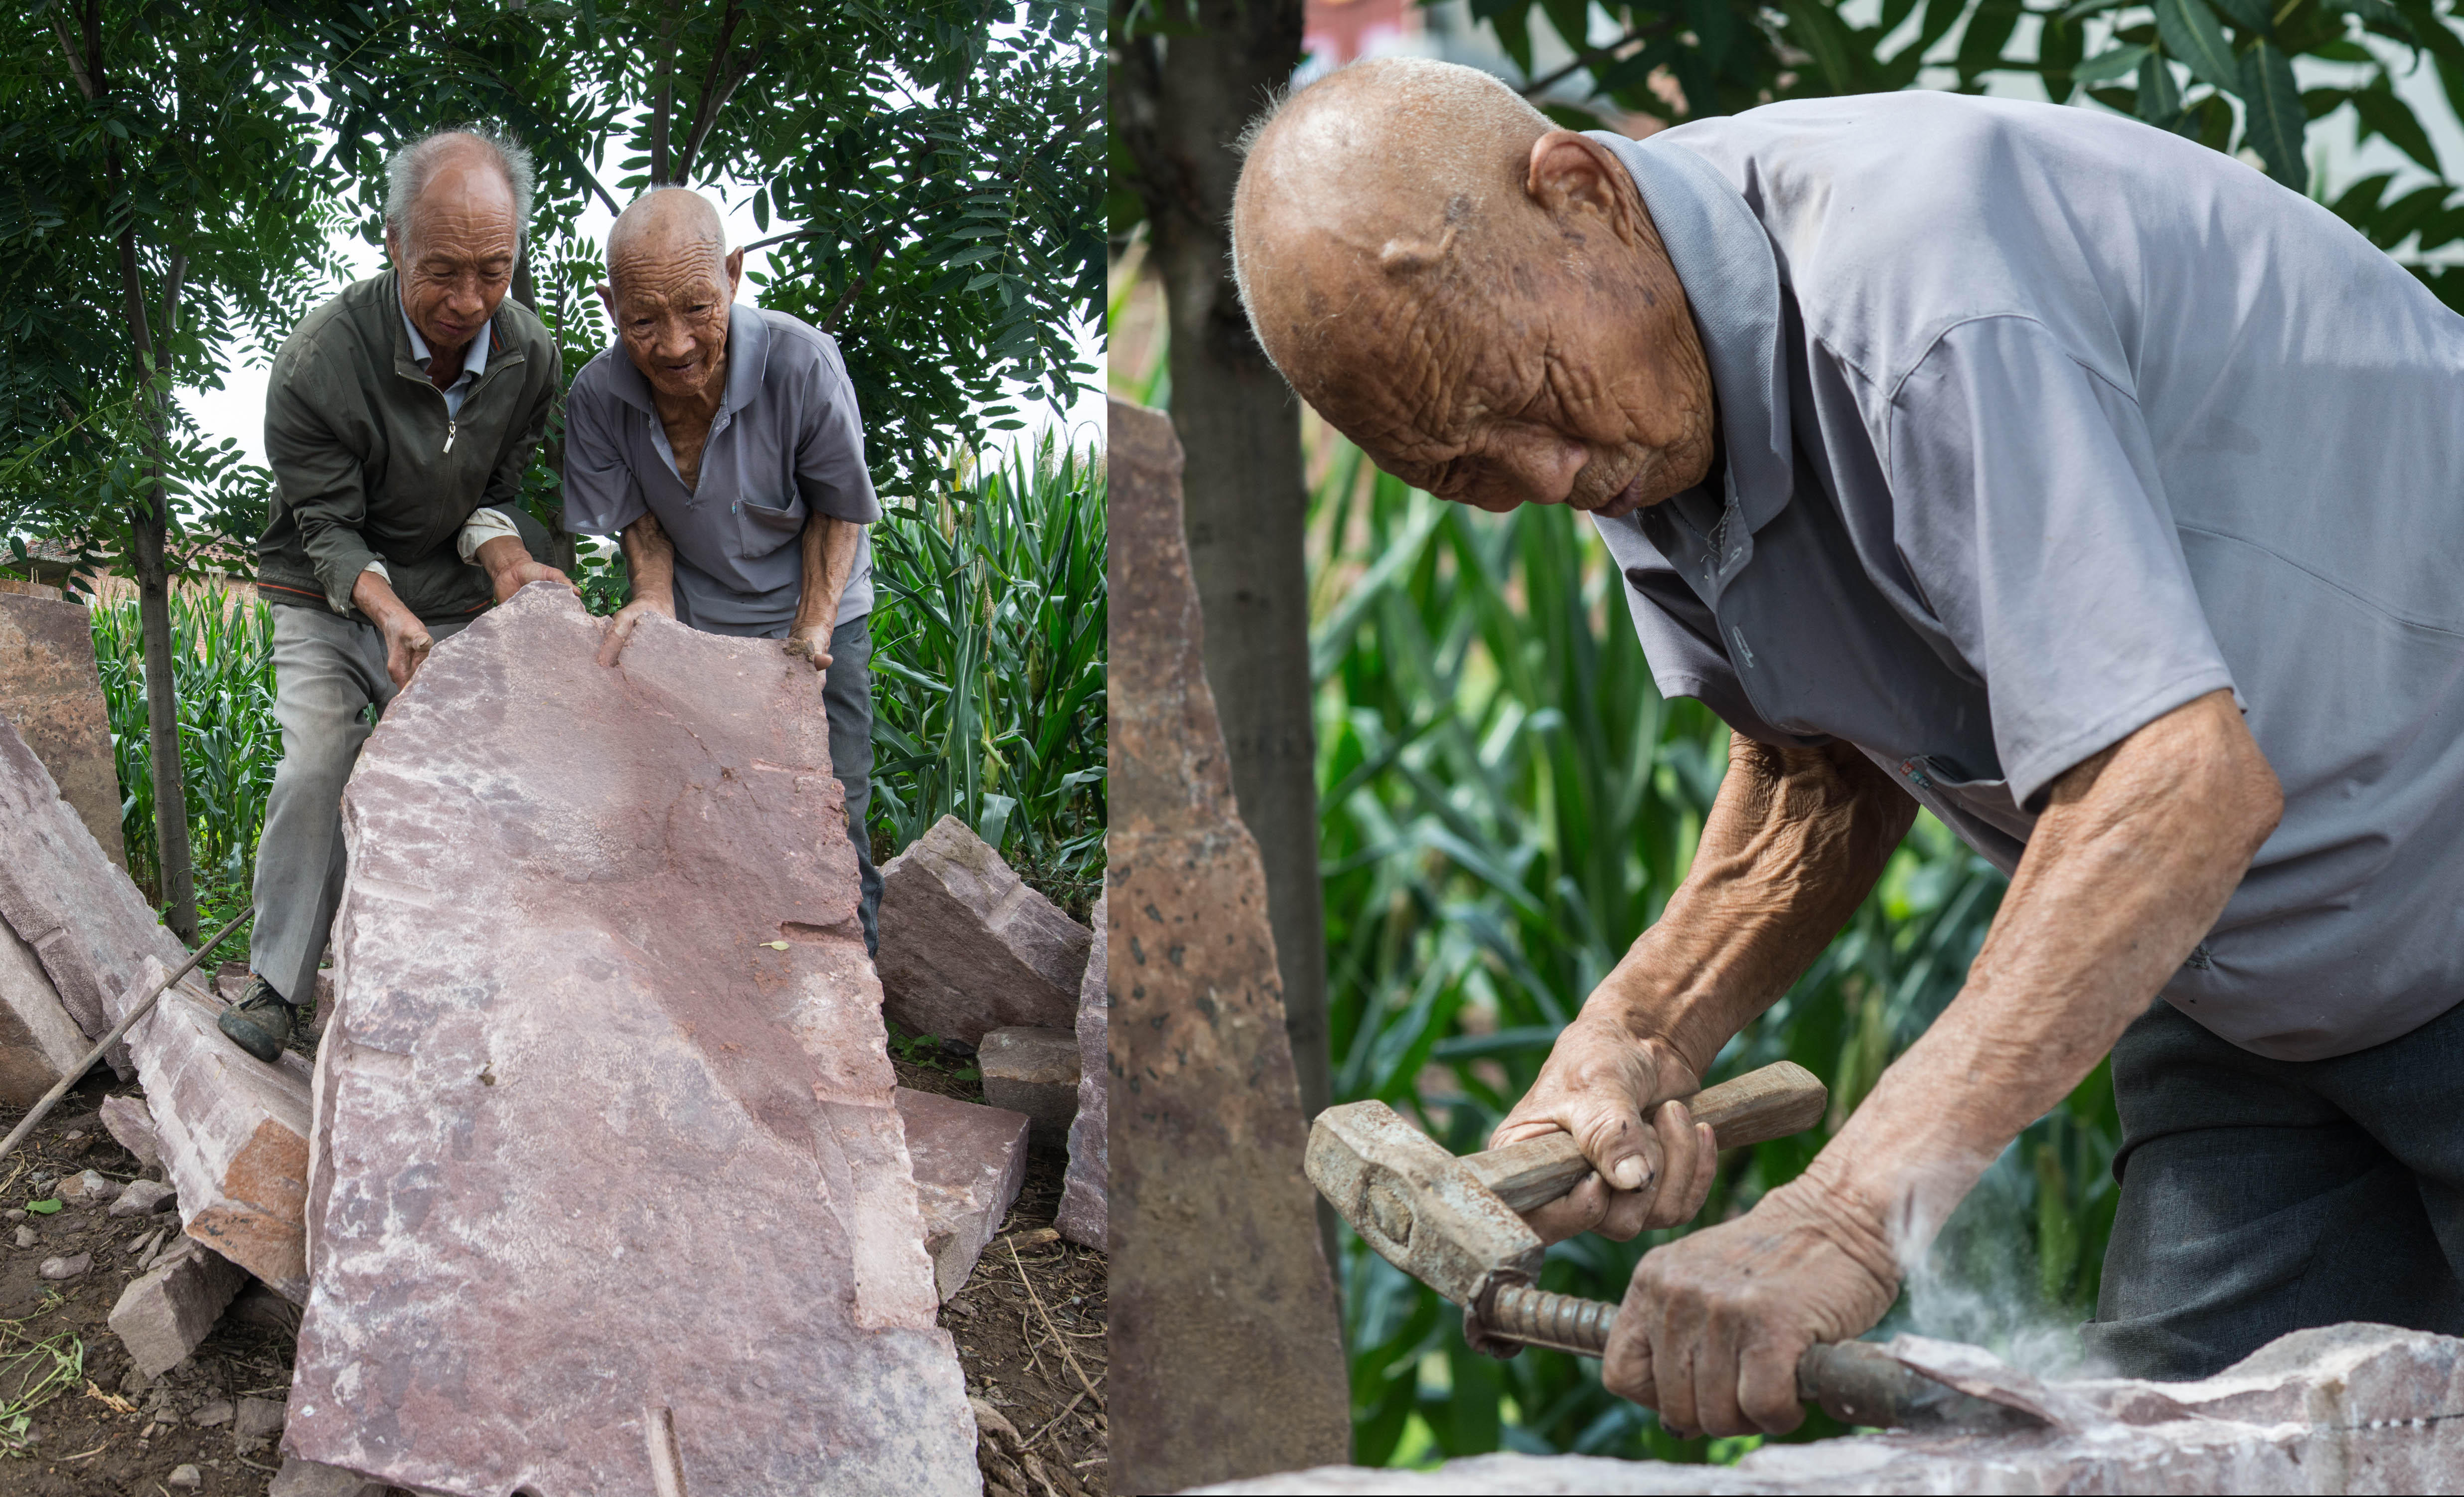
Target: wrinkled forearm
[649, 561]
[1794, 841]
[829, 546]
[2129, 868]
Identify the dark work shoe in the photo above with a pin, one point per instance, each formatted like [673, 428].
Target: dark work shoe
[260, 1023]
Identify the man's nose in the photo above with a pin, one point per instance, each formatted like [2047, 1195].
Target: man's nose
[1546, 466]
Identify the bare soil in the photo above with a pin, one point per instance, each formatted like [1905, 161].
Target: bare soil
[95, 1426]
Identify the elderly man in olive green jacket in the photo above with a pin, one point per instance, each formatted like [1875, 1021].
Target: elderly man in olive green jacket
[400, 417]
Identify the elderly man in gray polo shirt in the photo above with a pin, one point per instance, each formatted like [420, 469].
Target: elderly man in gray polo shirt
[723, 445]
[2023, 463]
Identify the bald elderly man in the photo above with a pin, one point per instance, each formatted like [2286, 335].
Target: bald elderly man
[399, 420]
[723, 445]
[2026, 464]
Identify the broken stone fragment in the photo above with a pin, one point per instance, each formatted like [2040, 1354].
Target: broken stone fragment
[257, 1418]
[233, 1134]
[27, 1238]
[66, 1268]
[299, 1478]
[88, 927]
[1082, 1194]
[1034, 1071]
[128, 1122]
[610, 1193]
[87, 1187]
[144, 1197]
[170, 1308]
[1218, 1266]
[187, 1476]
[40, 1043]
[970, 1161]
[50, 691]
[967, 947]
[207, 1416]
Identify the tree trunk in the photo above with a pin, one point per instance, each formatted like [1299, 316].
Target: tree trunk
[562, 547]
[163, 716]
[1180, 103]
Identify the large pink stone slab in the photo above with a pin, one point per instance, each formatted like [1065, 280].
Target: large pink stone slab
[2350, 1408]
[88, 926]
[967, 947]
[970, 1161]
[608, 1192]
[51, 693]
[232, 1131]
[1084, 1192]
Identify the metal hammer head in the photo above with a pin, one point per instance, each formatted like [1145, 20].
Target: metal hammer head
[1424, 1210]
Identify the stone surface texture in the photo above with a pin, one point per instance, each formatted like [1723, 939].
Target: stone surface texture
[1082, 1194]
[609, 1193]
[164, 1312]
[2349, 1408]
[970, 1161]
[299, 1478]
[40, 1043]
[1035, 1071]
[126, 1120]
[966, 946]
[233, 1134]
[89, 928]
[51, 693]
[1227, 1353]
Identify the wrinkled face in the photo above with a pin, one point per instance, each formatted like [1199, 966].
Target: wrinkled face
[455, 251]
[669, 299]
[1539, 354]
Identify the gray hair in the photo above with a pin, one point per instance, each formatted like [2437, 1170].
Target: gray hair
[408, 170]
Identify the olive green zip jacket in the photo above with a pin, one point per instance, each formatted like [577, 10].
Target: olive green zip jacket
[367, 468]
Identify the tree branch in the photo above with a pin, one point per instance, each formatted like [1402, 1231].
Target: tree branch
[705, 109]
[880, 247]
[1633, 33]
[76, 65]
[664, 102]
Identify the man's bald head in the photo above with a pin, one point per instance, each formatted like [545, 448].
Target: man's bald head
[671, 279]
[1477, 297]
[665, 224]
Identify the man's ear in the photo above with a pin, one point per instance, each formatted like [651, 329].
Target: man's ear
[1572, 173]
[734, 270]
[393, 246]
[607, 299]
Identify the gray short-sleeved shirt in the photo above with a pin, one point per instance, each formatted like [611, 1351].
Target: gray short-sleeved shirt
[2038, 423]
[787, 441]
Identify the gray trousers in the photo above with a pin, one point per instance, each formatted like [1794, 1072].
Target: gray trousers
[2260, 1196]
[329, 671]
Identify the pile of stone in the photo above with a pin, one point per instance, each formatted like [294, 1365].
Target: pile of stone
[2349, 1408]
[600, 930]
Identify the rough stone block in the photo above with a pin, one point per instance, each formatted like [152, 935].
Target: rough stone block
[50, 869]
[40, 1043]
[127, 1121]
[970, 1161]
[170, 1308]
[52, 692]
[233, 1134]
[966, 946]
[609, 1193]
[144, 1197]
[1035, 1071]
[2349, 1408]
[1083, 1193]
[1227, 1353]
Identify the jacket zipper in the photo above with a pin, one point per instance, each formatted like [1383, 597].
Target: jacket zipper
[450, 426]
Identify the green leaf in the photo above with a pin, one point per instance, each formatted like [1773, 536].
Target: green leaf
[2160, 97]
[2251, 15]
[2273, 119]
[1816, 28]
[2371, 11]
[42, 1208]
[1988, 31]
[2190, 33]
[2383, 113]
[2360, 200]
[2106, 66]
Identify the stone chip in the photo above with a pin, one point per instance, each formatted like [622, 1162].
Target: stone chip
[966, 946]
[1034, 1071]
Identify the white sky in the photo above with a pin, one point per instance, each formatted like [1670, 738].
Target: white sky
[237, 410]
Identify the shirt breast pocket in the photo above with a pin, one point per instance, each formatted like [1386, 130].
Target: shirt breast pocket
[761, 528]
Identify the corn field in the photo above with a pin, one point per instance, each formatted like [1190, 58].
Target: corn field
[1507, 802]
[988, 689]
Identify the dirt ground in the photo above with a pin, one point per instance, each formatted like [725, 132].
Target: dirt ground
[76, 1418]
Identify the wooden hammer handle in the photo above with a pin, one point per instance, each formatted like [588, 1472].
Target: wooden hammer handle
[1780, 1099]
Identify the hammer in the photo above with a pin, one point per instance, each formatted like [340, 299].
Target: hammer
[1455, 1225]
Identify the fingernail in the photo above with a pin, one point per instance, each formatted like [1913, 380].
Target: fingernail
[1628, 1173]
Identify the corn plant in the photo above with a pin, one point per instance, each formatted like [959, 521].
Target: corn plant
[988, 666]
[1506, 804]
[222, 666]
